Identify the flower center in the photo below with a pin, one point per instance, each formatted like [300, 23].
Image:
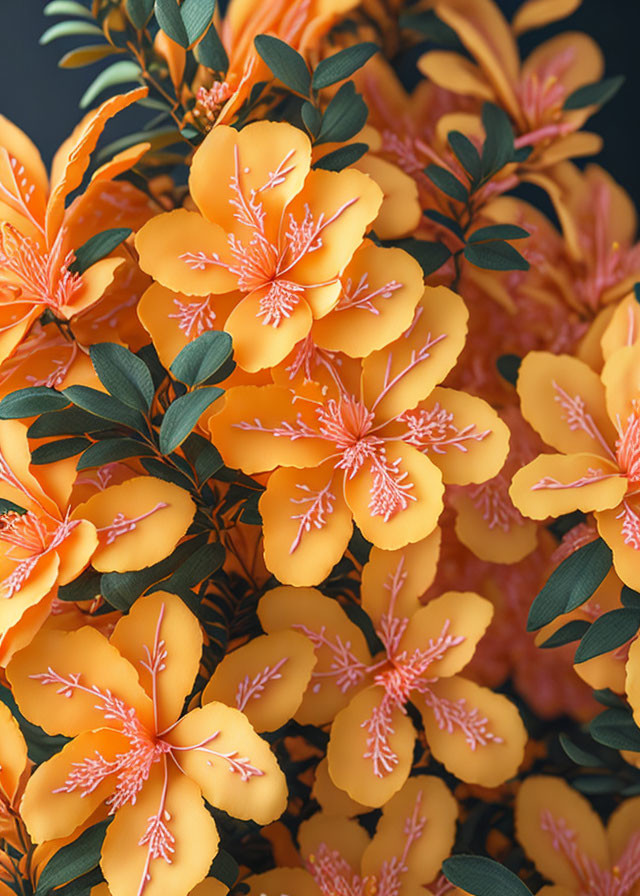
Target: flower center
[347, 423]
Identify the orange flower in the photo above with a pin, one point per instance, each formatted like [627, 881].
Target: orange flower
[567, 841]
[120, 700]
[478, 735]
[595, 422]
[270, 228]
[374, 444]
[36, 248]
[414, 835]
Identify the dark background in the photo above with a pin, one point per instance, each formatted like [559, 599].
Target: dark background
[43, 99]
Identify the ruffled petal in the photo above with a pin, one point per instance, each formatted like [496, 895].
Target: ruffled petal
[162, 640]
[476, 734]
[235, 769]
[341, 651]
[554, 484]
[265, 679]
[306, 523]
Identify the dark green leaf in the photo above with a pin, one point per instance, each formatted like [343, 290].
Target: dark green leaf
[311, 117]
[466, 153]
[170, 20]
[607, 632]
[483, 877]
[81, 886]
[98, 247]
[7, 506]
[596, 94]
[607, 697]
[592, 784]
[629, 597]
[344, 117]
[69, 29]
[196, 16]
[433, 28]
[31, 402]
[122, 72]
[521, 154]
[225, 868]
[498, 232]
[139, 12]
[447, 182]
[342, 157]
[162, 470]
[73, 860]
[342, 64]
[85, 587]
[616, 728]
[578, 755]
[250, 512]
[69, 421]
[107, 451]
[183, 414]
[200, 566]
[202, 358]
[571, 584]
[508, 367]
[123, 374]
[66, 8]
[211, 53]
[571, 631]
[430, 255]
[495, 255]
[445, 221]
[58, 450]
[636, 292]
[105, 406]
[285, 63]
[498, 144]
[202, 455]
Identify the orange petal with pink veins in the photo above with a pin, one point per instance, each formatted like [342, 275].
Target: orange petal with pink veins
[22, 630]
[168, 836]
[450, 626]
[397, 377]
[282, 880]
[58, 797]
[476, 734]
[371, 748]
[623, 327]
[554, 484]
[267, 324]
[13, 754]
[307, 523]
[139, 522]
[417, 831]
[550, 817]
[95, 281]
[15, 320]
[380, 291]
[186, 253]
[22, 585]
[17, 483]
[341, 651]
[69, 682]
[576, 58]
[234, 767]
[564, 401]
[396, 498]
[262, 427]
[621, 378]
[327, 833]
[265, 679]
[245, 179]
[489, 525]
[16, 178]
[162, 640]
[75, 551]
[341, 206]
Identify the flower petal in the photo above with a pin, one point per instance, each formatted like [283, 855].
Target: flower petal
[621, 378]
[456, 73]
[476, 734]
[139, 522]
[326, 833]
[186, 253]
[393, 581]
[380, 291]
[75, 551]
[489, 525]
[554, 484]
[620, 528]
[536, 13]
[396, 499]
[623, 327]
[94, 284]
[416, 832]
[452, 623]
[332, 800]
[307, 524]
[564, 400]
[162, 640]
[262, 427]
[265, 679]
[282, 880]
[24, 585]
[622, 830]
[405, 372]
[168, 837]
[235, 769]
[400, 212]
[69, 682]
[341, 650]
[550, 818]
[13, 754]
[54, 804]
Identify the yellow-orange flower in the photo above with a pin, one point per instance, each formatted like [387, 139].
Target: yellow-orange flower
[374, 444]
[120, 700]
[269, 228]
